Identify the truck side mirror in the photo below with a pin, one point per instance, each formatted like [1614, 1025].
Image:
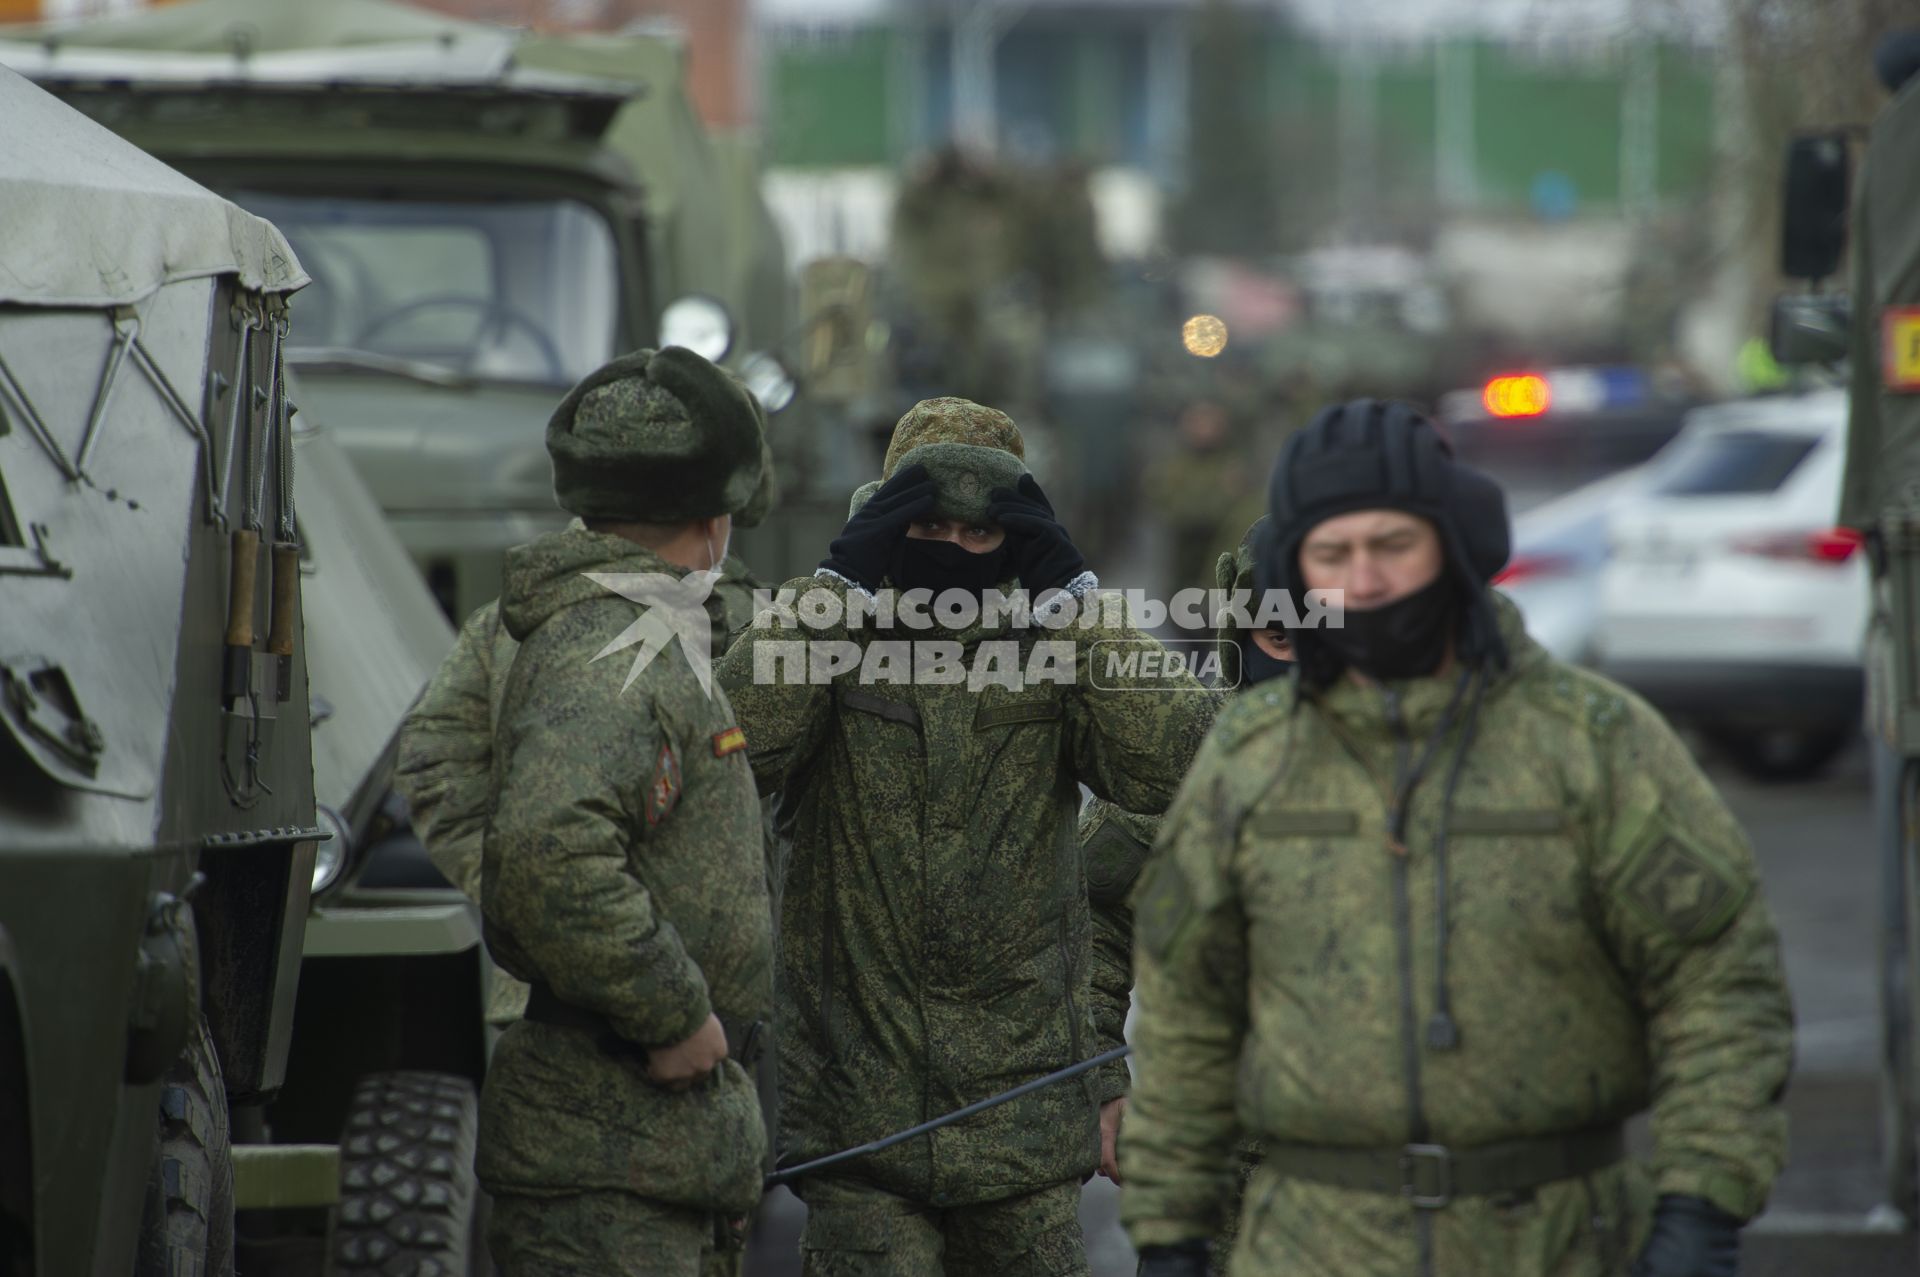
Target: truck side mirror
[1808, 329]
[1813, 227]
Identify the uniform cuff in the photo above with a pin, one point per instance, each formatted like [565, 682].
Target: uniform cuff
[847, 581]
[1076, 589]
[1143, 1233]
[1732, 1194]
[1109, 1082]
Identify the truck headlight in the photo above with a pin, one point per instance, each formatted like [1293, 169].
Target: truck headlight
[769, 381]
[333, 854]
[700, 324]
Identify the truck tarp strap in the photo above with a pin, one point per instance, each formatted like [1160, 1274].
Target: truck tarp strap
[978, 1106]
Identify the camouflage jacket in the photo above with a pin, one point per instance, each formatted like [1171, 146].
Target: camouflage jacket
[1609, 946]
[445, 768]
[623, 867]
[935, 936]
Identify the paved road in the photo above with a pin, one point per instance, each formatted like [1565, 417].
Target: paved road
[1814, 844]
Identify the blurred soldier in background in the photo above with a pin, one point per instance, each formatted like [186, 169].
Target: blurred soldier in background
[1442, 1088]
[623, 870]
[1193, 489]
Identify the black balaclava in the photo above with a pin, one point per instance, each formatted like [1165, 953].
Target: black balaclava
[922, 564]
[1370, 454]
[1257, 667]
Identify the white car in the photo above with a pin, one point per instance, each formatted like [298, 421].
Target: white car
[1730, 599]
[1559, 550]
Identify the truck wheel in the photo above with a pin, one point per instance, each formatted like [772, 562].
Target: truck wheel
[188, 1227]
[409, 1205]
[1782, 753]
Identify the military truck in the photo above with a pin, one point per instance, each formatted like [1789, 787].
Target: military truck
[488, 215]
[157, 819]
[1875, 332]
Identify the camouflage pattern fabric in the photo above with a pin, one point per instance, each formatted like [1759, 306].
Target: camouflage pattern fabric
[623, 866]
[935, 935]
[1609, 951]
[950, 420]
[606, 1234]
[856, 1231]
[662, 436]
[445, 766]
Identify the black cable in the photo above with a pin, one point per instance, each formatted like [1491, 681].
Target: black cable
[978, 1106]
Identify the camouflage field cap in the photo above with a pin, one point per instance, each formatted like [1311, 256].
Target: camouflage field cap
[969, 450]
[658, 436]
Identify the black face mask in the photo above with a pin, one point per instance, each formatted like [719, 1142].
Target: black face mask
[1257, 667]
[920, 564]
[1404, 639]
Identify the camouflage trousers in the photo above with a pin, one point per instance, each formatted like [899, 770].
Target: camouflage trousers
[609, 1234]
[856, 1231]
[1592, 1226]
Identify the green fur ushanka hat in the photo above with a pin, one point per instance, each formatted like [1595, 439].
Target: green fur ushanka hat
[661, 437]
[967, 448]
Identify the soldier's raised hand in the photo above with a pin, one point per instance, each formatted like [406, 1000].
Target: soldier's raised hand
[684, 1063]
[1038, 548]
[864, 548]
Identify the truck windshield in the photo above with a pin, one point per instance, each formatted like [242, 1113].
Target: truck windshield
[511, 290]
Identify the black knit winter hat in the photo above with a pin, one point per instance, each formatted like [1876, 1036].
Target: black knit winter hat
[1371, 454]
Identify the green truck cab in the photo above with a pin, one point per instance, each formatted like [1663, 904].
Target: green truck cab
[157, 819]
[1871, 332]
[487, 214]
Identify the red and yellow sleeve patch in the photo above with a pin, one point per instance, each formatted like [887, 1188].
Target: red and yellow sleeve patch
[664, 792]
[730, 741]
[1900, 348]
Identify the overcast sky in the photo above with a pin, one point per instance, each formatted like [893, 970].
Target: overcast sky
[1403, 18]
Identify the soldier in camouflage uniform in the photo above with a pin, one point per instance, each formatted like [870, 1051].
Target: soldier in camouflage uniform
[445, 765]
[1436, 1000]
[935, 934]
[1116, 843]
[622, 875]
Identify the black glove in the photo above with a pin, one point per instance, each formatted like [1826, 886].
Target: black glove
[1691, 1237]
[1182, 1259]
[864, 548]
[1038, 548]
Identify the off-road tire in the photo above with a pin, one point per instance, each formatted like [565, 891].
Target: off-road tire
[188, 1227]
[1781, 754]
[409, 1205]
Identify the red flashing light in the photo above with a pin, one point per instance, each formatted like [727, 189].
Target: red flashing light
[1526, 395]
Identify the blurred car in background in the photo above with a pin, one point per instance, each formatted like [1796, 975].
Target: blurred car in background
[1559, 550]
[1731, 600]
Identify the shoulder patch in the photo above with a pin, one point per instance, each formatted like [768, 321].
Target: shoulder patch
[1684, 889]
[664, 792]
[730, 741]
